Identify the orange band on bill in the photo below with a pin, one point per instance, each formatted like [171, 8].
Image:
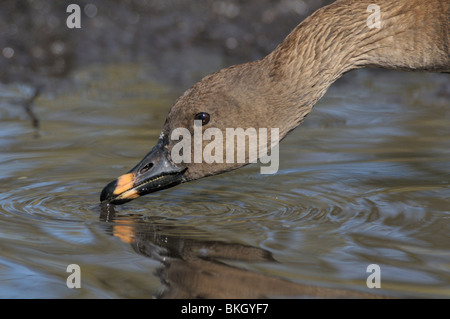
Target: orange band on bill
[124, 183]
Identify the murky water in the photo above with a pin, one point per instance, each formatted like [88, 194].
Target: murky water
[365, 180]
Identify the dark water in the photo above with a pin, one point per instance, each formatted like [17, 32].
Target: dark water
[365, 180]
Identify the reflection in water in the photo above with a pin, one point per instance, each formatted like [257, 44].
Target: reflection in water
[195, 268]
[363, 181]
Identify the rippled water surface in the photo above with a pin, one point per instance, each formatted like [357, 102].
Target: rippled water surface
[365, 180]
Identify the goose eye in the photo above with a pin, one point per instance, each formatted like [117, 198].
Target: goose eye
[202, 116]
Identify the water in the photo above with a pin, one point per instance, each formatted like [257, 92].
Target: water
[363, 181]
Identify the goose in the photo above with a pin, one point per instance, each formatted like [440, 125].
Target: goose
[279, 90]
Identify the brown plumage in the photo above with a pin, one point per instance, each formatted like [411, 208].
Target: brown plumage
[279, 90]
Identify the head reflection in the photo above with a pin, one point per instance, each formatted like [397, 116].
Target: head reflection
[192, 267]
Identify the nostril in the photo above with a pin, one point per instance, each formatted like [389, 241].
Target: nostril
[145, 168]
